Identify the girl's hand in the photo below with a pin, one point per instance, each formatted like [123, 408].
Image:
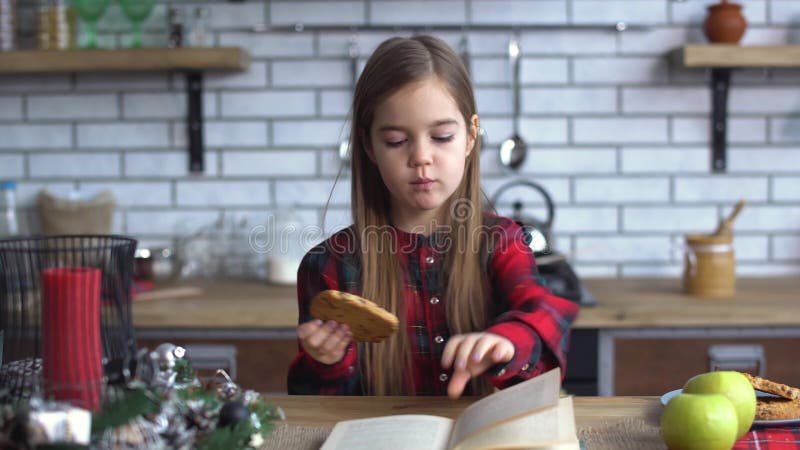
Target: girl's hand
[473, 353]
[325, 342]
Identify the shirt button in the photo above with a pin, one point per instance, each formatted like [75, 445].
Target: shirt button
[351, 369]
[430, 260]
[526, 367]
[443, 377]
[434, 300]
[438, 339]
[501, 373]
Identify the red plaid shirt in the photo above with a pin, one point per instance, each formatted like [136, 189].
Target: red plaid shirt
[526, 313]
[770, 438]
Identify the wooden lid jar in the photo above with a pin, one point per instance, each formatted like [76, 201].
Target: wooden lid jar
[709, 266]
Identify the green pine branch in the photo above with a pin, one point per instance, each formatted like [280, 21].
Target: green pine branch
[131, 405]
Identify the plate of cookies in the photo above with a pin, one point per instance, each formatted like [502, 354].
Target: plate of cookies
[776, 403]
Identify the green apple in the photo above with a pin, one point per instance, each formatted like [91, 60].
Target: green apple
[699, 422]
[732, 385]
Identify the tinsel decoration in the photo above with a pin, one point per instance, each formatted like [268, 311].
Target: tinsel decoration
[158, 403]
[137, 434]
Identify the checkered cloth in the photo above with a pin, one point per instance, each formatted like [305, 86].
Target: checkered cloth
[771, 438]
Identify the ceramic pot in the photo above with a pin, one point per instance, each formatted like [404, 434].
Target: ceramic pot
[725, 23]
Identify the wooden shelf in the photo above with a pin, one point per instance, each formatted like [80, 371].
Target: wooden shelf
[722, 59]
[192, 61]
[732, 56]
[124, 60]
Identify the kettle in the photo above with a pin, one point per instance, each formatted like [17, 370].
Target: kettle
[541, 240]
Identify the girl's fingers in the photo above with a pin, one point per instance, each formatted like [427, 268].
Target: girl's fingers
[503, 351]
[483, 349]
[465, 350]
[334, 341]
[342, 345]
[316, 339]
[306, 329]
[457, 383]
[450, 350]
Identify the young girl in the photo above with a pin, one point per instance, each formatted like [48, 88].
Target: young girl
[461, 282]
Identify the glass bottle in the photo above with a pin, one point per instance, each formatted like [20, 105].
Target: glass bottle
[198, 30]
[57, 25]
[8, 25]
[175, 18]
[9, 226]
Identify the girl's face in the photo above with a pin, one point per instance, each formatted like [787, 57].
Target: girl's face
[420, 143]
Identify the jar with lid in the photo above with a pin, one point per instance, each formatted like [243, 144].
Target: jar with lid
[57, 25]
[8, 25]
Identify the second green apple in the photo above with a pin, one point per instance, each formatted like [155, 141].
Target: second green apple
[732, 385]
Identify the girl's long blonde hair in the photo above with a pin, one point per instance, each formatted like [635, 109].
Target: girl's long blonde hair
[394, 64]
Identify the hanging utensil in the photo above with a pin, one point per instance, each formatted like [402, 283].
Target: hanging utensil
[353, 51]
[514, 149]
[463, 51]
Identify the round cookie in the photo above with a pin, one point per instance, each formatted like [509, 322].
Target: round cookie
[367, 321]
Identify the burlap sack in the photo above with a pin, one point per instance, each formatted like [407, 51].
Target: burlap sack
[60, 216]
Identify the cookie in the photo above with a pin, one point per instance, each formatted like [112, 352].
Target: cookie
[367, 321]
[777, 408]
[764, 385]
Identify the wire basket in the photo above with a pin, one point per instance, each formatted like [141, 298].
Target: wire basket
[26, 269]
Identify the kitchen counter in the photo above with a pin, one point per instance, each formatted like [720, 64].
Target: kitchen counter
[631, 303]
[634, 419]
[643, 337]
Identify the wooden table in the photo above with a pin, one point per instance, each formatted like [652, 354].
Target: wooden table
[594, 412]
[327, 410]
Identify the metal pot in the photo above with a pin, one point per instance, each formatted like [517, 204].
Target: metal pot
[540, 231]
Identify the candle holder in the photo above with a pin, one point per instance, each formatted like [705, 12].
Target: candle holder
[65, 311]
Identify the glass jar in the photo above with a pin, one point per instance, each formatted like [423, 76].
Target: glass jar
[9, 226]
[175, 24]
[8, 25]
[57, 25]
[198, 35]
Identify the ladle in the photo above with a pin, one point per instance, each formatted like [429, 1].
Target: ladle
[344, 145]
[463, 50]
[514, 149]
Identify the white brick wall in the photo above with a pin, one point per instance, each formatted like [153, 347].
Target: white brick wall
[618, 131]
[10, 107]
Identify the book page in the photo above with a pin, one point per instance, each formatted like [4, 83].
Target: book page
[405, 432]
[552, 428]
[522, 399]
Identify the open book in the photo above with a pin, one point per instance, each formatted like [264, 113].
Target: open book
[529, 415]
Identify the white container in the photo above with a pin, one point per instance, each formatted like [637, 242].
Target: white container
[282, 270]
[284, 250]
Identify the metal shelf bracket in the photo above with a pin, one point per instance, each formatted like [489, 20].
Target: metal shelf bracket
[194, 121]
[720, 84]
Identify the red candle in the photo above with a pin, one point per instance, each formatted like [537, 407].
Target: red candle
[71, 345]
